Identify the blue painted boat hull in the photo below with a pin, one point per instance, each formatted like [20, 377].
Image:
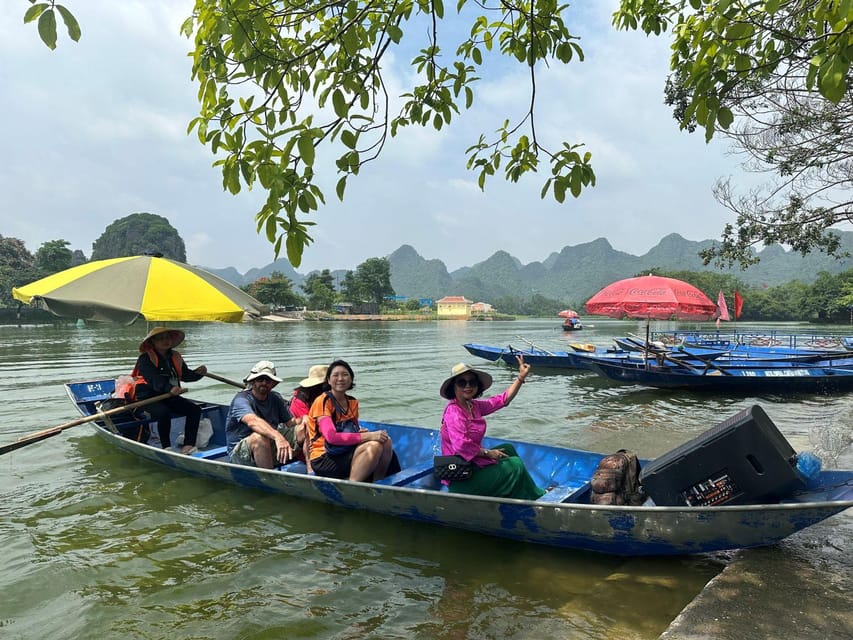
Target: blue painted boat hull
[563, 518]
[537, 358]
[749, 379]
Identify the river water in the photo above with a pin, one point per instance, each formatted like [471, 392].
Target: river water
[96, 543]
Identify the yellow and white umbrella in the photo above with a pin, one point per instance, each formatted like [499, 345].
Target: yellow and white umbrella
[149, 287]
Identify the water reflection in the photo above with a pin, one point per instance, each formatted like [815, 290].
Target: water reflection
[98, 543]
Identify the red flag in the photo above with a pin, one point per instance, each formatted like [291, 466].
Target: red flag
[738, 304]
[722, 308]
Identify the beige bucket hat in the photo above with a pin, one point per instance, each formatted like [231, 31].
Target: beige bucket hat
[316, 375]
[446, 390]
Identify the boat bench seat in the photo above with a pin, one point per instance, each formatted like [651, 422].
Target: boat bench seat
[209, 454]
[408, 475]
[565, 492]
[297, 466]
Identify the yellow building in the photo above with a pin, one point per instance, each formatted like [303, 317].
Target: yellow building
[454, 307]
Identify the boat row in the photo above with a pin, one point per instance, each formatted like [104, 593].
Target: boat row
[746, 369]
[702, 517]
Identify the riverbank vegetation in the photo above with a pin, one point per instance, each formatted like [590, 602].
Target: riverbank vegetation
[368, 290]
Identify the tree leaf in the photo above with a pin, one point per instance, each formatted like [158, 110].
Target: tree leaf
[339, 103]
[725, 117]
[394, 32]
[348, 138]
[70, 23]
[35, 11]
[295, 246]
[47, 28]
[305, 145]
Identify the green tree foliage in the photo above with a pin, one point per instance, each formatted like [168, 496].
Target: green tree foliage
[320, 289]
[17, 267]
[52, 257]
[846, 299]
[349, 288]
[535, 305]
[137, 234]
[45, 13]
[780, 70]
[275, 290]
[412, 305]
[824, 301]
[372, 280]
[782, 303]
[709, 282]
[288, 91]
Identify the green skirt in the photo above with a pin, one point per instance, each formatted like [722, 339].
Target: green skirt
[507, 478]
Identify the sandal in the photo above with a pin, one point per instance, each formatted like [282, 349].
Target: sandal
[188, 450]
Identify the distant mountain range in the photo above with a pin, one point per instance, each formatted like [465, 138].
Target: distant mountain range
[572, 275]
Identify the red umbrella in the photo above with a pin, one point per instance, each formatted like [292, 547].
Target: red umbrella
[652, 297]
[568, 313]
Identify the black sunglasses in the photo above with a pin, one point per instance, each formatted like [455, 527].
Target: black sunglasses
[466, 382]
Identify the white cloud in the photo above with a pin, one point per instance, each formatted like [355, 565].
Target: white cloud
[97, 130]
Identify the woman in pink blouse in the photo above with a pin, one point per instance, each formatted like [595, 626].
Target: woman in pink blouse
[498, 471]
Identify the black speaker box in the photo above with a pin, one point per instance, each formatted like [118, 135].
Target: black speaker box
[743, 460]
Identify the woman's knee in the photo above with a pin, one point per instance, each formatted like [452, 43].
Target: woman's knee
[372, 447]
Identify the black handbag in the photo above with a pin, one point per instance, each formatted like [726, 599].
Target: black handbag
[452, 468]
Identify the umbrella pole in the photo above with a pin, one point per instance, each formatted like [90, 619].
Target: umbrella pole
[648, 345]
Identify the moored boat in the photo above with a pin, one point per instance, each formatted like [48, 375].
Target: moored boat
[534, 356]
[715, 376]
[564, 517]
[575, 359]
[739, 355]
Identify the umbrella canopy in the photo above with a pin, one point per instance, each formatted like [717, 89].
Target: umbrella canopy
[153, 288]
[568, 313]
[652, 297]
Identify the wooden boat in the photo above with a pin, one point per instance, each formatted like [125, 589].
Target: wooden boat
[562, 518]
[534, 356]
[575, 359]
[739, 355]
[715, 376]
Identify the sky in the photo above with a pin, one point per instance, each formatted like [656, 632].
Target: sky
[96, 130]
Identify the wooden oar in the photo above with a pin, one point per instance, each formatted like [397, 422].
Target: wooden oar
[233, 383]
[534, 346]
[47, 433]
[708, 362]
[681, 363]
